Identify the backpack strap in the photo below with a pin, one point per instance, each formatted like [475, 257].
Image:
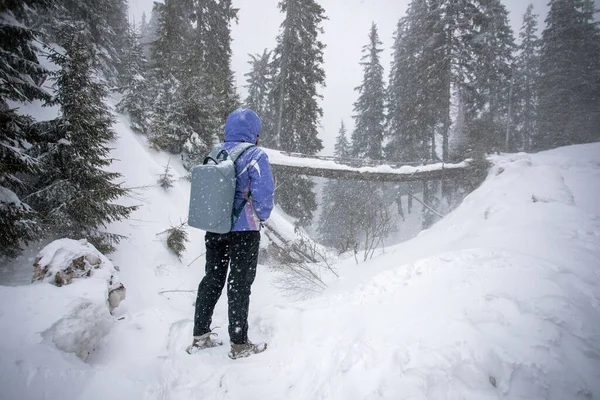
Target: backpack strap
[233, 156]
[238, 150]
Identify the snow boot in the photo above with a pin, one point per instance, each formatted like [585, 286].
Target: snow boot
[246, 349]
[203, 342]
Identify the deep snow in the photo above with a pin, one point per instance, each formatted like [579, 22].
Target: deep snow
[500, 299]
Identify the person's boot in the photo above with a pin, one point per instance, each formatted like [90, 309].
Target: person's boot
[246, 349]
[203, 342]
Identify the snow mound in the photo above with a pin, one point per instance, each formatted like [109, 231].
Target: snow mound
[500, 299]
[65, 259]
[81, 330]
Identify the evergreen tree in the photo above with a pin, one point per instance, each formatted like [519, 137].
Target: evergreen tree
[525, 98]
[148, 33]
[215, 33]
[299, 71]
[260, 88]
[336, 229]
[136, 97]
[493, 49]
[207, 87]
[143, 25]
[367, 204]
[367, 137]
[193, 81]
[170, 129]
[75, 193]
[298, 62]
[173, 34]
[103, 21]
[343, 147]
[569, 86]
[417, 92]
[21, 77]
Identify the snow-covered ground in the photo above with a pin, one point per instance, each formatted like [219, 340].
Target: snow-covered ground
[501, 299]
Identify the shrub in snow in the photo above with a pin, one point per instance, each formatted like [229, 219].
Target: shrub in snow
[81, 330]
[64, 260]
[166, 179]
[176, 240]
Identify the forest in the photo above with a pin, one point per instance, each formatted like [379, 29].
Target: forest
[461, 85]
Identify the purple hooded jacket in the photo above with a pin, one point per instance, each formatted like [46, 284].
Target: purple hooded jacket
[254, 177]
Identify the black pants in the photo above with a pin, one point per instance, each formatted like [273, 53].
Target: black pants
[241, 249]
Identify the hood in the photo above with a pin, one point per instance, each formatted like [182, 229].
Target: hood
[243, 125]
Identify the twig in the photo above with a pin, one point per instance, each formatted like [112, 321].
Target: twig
[181, 225]
[194, 260]
[177, 291]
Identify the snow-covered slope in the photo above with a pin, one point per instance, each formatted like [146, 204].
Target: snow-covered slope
[501, 299]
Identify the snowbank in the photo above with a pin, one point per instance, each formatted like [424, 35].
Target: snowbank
[57, 313]
[65, 259]
[501, 299]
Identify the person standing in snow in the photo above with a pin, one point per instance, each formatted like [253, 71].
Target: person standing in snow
[237, 249]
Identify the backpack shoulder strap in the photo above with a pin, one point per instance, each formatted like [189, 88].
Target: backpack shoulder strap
[238, 150]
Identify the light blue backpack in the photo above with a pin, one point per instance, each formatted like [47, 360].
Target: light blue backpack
[213, 191]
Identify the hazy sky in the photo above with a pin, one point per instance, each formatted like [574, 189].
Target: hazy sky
[346, 32]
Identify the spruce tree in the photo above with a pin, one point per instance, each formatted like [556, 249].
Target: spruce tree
[493, 50]
[368, 201]
[569, 103]
[259, 83]
[369, 110]
[75, 194]
[170, 130]
[343, 147]
[191, 74]
[103, 21]
[216, 38]
[148, 33]
[416, 92]
[298, 62]
[525, 98]
[206, 89]
[21, 77]
[136, 97]
[335, 228]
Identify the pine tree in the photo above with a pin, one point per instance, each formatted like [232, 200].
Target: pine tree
[369, 110]
[336, 229]
[493, 48]
[525, 99]
[343, 147]
[191, 74]
[215, 34]
[367, 205]
[75, 194]
[173, 34]
[207, 89]
[260, 83]
[569, 103]
[103, 21]
[414, 92]
[143, 25]
[20, 81]
[136, 97]
[170, 129]
[299, 71]
[298, 62]
[148, 33]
